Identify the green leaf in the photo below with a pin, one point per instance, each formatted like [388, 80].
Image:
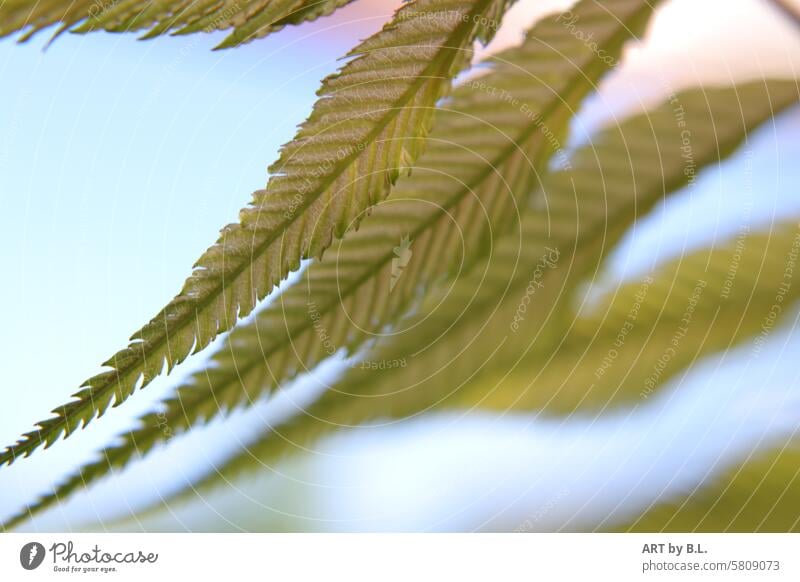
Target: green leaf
[490, 143]
[269, 20]
[646, 332]
[498, 314]
[760, 494]
[454, 340]
[247, 20]
[365, 129]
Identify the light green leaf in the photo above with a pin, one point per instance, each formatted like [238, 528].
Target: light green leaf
[760, 494]
[502, 313]
[490, 143]
[646, 332]
[365, 129]
[248, 20]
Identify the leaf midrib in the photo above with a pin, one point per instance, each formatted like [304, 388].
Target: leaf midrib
[502, 158]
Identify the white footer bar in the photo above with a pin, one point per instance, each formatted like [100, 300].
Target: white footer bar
[401, 557]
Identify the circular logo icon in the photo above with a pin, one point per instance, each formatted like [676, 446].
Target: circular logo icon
[31, 555]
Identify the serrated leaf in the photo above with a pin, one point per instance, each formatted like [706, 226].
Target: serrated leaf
[493, 321]
[483, 158]
[247, 20]
[583, 223]
[370, 118]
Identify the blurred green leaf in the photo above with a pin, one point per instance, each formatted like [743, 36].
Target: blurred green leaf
[760, 494]
[646, 332]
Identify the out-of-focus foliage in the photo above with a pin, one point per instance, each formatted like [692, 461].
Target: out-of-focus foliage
[760, 494]
[642, 334]
[449, 236]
